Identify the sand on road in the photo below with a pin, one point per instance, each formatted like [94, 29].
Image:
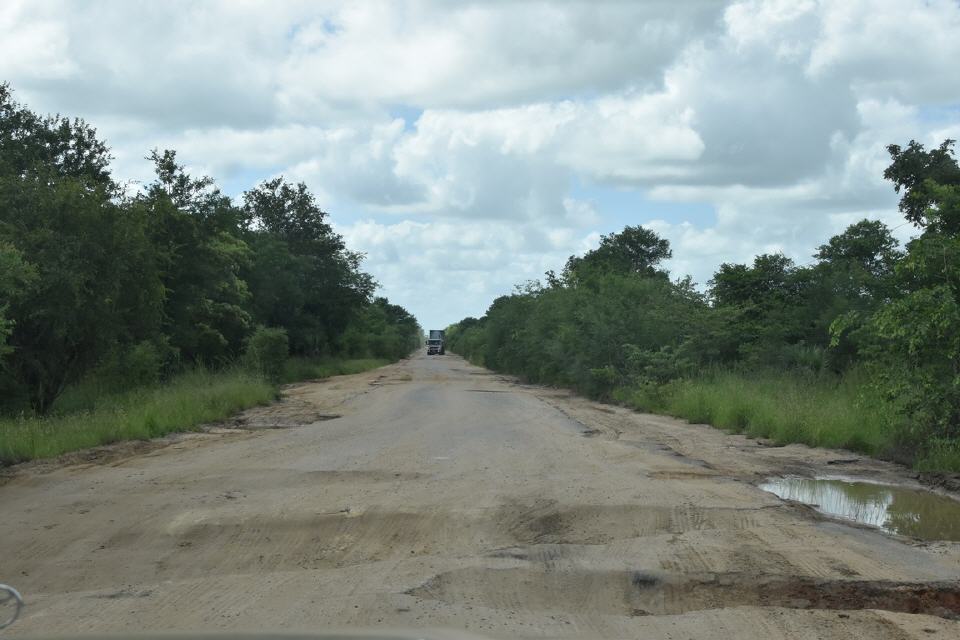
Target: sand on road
[435, 494]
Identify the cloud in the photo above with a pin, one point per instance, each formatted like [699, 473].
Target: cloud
[448, 270]
[43, 42]
[904, 50]
[485, 55]
[455, 142]
[173, 65]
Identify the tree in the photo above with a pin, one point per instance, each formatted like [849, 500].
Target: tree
[381, 330]
[856, 269]
[917, 359]
[195, 231]
[94, 281]
[302, 276]
[917, 173]
[634, 250]
[125, 288]
[773, 310]
[769, 281]
[913, 342]
[855, 275]
[45, 148]
[92, 284]
[288, 212]
[16, 277]
[868, 246]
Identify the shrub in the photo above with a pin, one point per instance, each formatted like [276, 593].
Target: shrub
[136, 366]
[601, 382]
[267, 351]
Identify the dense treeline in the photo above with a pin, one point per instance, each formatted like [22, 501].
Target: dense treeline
[134, 285]
[865, 314]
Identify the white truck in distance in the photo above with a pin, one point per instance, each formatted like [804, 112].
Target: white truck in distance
[435, 343]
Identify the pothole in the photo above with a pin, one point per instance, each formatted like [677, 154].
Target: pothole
[292, 424]
[123, 593]
[901, 510]
[363, 475]
[547, 522]
[289, 414]
[635, 593]
[683, 475]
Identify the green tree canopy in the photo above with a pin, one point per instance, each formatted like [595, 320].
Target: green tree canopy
[93, 280]
[47, 147]
[634, 250]
[917, 173]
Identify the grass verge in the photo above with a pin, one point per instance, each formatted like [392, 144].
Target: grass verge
[819, 411]
[181, 404]
[86, 416]
[941, 455]
[297, 369]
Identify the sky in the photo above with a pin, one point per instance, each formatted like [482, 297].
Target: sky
[468, 147]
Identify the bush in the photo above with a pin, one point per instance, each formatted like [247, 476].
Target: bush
[267, 351]
[136, 366]
[601, 382]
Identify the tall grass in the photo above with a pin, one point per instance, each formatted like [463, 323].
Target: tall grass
[820, 411]
[90, 414]
[182, 404]
[940, 455]
[296, 369]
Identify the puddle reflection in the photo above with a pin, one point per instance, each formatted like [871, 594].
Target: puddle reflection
[901, 510]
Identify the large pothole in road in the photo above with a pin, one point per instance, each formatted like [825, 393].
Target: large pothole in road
[635, 593]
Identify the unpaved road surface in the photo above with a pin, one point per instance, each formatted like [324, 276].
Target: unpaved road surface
[447, 496]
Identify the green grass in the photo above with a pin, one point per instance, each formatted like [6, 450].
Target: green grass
[941, 455]
[820, 411]
[88, 414]
[182, 404]
[297, 369]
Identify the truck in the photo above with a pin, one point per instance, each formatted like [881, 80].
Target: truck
[435, 343]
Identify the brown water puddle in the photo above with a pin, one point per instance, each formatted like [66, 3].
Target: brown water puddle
[901, 510]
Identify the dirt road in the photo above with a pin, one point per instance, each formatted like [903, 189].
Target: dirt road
[447, 496]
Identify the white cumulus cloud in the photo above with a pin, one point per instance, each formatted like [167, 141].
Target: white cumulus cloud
[469, 146]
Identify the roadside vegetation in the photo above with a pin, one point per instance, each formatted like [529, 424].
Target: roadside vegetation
[297, 369]
[90, 414]
[133, 311]
[860, 348]
[813, 409]
[182, 403]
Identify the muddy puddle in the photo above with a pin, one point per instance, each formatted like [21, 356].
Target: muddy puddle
[901, 510]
